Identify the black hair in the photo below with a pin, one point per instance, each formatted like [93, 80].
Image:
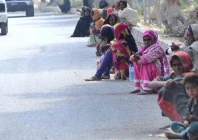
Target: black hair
[173, 58]
[105, 48]
[124, 2]
[191, 78]
[103, 4]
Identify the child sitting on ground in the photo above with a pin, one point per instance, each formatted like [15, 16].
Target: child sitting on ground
[104, 48]
[189, 128]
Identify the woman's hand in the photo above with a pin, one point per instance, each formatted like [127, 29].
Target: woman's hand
[174, 47]
[191, 118]
[137, 56]
[132, 58]
[186, 123]
[169, 83]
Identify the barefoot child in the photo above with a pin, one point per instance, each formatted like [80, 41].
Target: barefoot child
[188, 129]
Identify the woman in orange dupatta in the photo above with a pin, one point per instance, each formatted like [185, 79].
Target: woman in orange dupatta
[95, 27]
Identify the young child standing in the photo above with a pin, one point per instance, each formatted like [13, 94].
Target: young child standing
[188, 129]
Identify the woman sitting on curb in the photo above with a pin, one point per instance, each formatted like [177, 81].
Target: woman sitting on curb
[83, 24]
[127, 14]
[123, 48]
[95, 27]
[112, 19]
[149, 62]
[172, 97]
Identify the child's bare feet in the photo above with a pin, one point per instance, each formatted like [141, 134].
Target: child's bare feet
[172, 135]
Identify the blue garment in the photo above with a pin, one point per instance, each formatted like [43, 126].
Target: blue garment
[179, 127]
[105, 65]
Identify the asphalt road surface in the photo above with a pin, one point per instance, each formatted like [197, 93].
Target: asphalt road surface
[43, 95]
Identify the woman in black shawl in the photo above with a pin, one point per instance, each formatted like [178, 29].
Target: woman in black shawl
[82, 27]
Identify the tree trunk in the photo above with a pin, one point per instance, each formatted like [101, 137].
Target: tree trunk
[173, 18]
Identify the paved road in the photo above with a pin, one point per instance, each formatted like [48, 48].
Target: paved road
[44, 95]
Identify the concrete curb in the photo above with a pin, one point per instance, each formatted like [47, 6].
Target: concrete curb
[164, 42]
[50, 9]
[57, 9]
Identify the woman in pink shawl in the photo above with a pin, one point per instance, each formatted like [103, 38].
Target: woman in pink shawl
[149, 62]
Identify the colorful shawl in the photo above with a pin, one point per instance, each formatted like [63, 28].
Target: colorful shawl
[124, 46]
[173, 101]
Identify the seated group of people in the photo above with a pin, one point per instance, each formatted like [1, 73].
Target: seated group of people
[177, 90]
[93, 19]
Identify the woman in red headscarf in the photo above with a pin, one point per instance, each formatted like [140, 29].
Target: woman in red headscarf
[149, 62]
[172, 97]
[123, 48]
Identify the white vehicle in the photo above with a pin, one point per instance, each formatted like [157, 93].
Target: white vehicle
[3, 17]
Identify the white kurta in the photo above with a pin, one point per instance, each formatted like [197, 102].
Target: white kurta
[130, 15]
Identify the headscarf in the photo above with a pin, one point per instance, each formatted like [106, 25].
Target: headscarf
[185, 60]
[114, 16]
[103, 4]
[89, 18]
[87, 8]
[124, 2]
[154, 48]
[194, 28]
[98, 21]
[122, 32]
[95, 13]
[108, 32]
[110, 10]
[153, 35]
[123, 47]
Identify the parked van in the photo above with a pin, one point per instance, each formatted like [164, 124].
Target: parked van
[3, 17]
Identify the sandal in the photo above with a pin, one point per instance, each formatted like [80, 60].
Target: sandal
[135, 91]
[94, 78]
[144, 92]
